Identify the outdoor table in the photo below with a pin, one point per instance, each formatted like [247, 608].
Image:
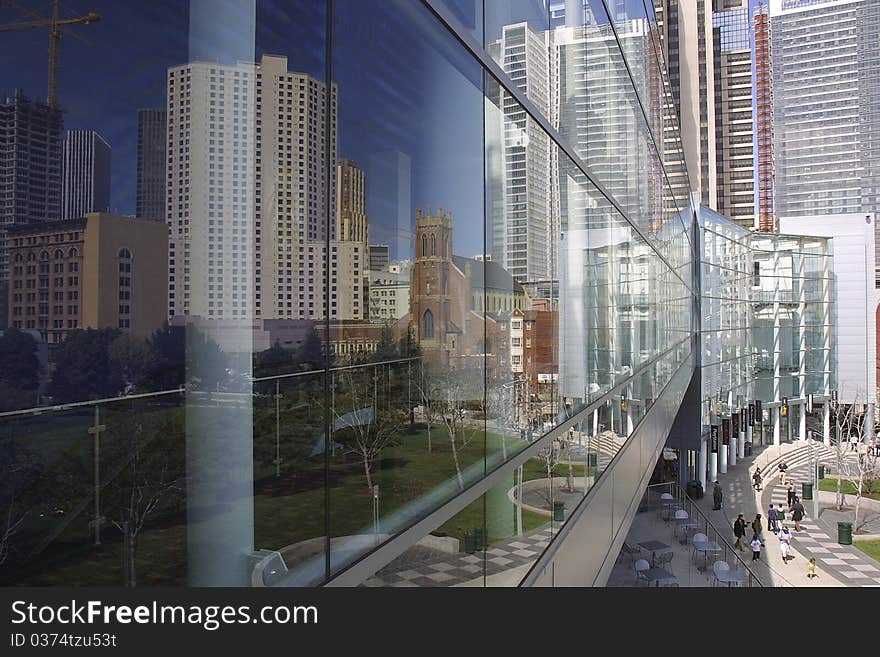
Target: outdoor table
[706, 548]
[669, 507]
[658, 575]
[684, 524]
[731, 577]
[654, 547]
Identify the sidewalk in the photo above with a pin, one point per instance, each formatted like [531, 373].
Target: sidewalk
[740, 497]
[836, 565]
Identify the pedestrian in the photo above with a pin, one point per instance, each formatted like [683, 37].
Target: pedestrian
[739, 530]
[811, 568]
[716, 496]
[784, 543]
[758, 528]
[756, 479]
[780, 515]
[782, 468]
[789, 495]
[771, 519]
[797, 513]
[756, 548]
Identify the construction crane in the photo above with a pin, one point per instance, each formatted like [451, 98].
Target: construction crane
[55, 24]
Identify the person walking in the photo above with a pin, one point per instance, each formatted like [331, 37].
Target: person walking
[756, 548]
[784, 543]
[780, 515]
[758, 528]
[772, 518]
[797, 513]
[739, 530]
[716, 496]
[789, 495]
[811, 568]
[782, 468]
[756, 480]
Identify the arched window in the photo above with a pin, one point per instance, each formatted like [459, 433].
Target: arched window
[424, 245]
[446, 253]
[125, 253]
[44, 256]
[71, 253]
[58, 254]
[31, 257]
[433, 246]
[428, 324]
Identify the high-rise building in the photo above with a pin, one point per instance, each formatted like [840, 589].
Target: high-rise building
[519, 156]
[151, 164]
[246, 200]
[30, 166]
[764, 120]
[714, 98]
[380, 255]
[826, 132]
[85, 182]
[95, 271]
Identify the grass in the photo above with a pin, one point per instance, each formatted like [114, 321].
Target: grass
[871, 548]
[847, 487]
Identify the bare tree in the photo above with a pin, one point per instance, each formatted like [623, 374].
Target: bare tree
[549, 455]
[860, 469]
[428, 392]
[364, 431]
[154, 480]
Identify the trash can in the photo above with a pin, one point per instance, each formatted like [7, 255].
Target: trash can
[821, 471]
[470, 544]
[748, 449]
[479, 538]
[695, 489]
[558, 511]
[807, 490]
[844, 533]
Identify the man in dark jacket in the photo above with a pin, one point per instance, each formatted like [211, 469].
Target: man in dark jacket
[797, 513]
[739, 530]
[716, 496]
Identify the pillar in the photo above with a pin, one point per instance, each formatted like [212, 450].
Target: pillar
[731, 458]
[826, 423]
[722, 458]
[776, 419]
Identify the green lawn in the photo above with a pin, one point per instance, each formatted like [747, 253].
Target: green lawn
[847, 487]
[871, 548]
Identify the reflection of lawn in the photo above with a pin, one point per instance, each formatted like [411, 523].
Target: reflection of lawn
[290, 509]
[871, 548]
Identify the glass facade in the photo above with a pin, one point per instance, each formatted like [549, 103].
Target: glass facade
[523, 165]
[767, 328]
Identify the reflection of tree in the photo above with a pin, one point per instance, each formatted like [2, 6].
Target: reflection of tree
[19, 466]
[451, 391]
[19, 370]
[862, 470]
[367, 430]
[153, 479]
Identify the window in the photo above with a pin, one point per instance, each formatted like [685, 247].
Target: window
[433, 246]
[424, 245]
[428, 324]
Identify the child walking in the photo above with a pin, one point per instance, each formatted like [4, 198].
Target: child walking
[756, 548]
[811, 568]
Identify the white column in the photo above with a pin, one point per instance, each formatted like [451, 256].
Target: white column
[731, 459]
[722, 458]
[750, 433]
[826, 423]
[701, 463]
[803, 421]
[713, 467]
[744, 435]
[774, 412]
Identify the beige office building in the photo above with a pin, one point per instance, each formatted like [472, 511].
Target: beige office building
[98, 271]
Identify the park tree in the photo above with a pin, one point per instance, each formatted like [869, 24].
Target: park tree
[131, 360]
[386, 349]
[273, 359]
[168, 363]
[860, 468]
[206, 363]
[20, 466]
[19, 370]
[310, 354]
[83, 369]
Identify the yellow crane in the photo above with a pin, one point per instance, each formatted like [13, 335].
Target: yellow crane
[55, 24]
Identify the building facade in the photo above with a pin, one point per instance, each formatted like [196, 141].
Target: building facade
[98, 271]
[85, 182]
[152, 126]
[826, 120]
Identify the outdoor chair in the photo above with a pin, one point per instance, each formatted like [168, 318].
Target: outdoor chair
[641, 566]
[720, 568]
[630, 551]
[664, 558]
[699, 537]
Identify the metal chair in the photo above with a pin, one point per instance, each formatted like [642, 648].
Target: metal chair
[630, 551]
[664, 558]
[720, 568]
[641, 566]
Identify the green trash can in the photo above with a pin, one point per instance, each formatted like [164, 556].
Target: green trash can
[470, 544]
[807, 490]
[844, 533]
[558, 511]
[821, 471]
[479, 538]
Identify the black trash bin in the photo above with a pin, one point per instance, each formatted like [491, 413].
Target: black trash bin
[479, 538]
[844, 533]
[470, 544]
[558, 511]
[748, 449]
[821, 471]
[694, 489]
[807, 490]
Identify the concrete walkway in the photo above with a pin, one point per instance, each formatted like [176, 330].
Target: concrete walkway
[836, 565]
